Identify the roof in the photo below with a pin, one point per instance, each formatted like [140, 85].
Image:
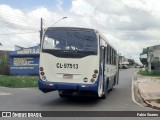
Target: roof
[126, 63]
[143, 56]
[31, 51]
[154, 47]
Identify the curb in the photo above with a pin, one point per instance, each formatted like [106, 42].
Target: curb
[152, 106]
[137, 94]
[143, 102]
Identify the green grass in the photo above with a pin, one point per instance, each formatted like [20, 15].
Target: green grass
[146, 73]
[19, 81]
[158, 101]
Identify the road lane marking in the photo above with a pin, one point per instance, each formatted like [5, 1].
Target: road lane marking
[3, 93]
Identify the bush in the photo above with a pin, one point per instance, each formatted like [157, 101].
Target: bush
[19, 81]
[146, 73]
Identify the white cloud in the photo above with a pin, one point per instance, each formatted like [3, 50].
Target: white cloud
[81, 7]
[130, 25]
[10, 15]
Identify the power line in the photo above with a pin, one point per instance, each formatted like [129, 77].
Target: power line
[129, 35]
[14, 16]
[31, 20]
[15, 27]
[131, 29]
[109, 28]
[10, 16]
[17, 19]
[18, 33]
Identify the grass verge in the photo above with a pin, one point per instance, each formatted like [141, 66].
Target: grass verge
[19, 81]
[158, 101]
[146, 73]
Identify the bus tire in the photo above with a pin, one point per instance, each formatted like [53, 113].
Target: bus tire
[112, 85]
[61, 95]
[111, 88]
[103, 96]
[115, 77]
[64, 95]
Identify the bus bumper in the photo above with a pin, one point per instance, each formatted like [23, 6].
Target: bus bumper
[45, 87]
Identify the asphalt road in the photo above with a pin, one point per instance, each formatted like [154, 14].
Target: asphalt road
[31, 99]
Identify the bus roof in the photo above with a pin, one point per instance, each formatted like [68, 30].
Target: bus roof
[73, 28]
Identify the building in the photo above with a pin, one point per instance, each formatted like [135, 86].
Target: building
[153, 58]
[123, 61]
[24, 61]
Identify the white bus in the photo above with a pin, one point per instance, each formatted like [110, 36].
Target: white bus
[77, 61]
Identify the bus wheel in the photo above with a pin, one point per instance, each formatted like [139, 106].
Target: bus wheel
[115, 77]
[63, 95]
[111, 88]
[113, 84]
[103, 96]
[100, 90]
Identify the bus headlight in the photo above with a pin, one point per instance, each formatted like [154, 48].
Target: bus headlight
[95, 71]
[94, 75]
[85, 79]
[42, 73]
[41, 69]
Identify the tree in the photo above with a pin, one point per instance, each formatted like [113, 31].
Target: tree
[145, 51]
[131, 61]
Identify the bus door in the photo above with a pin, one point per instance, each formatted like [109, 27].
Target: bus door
[102, 62]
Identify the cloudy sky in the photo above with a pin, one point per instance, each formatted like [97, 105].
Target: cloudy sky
[129, 25]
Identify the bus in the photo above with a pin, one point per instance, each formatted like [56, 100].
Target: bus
[77, 62]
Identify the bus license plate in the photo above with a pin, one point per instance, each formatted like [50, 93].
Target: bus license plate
[67, 76]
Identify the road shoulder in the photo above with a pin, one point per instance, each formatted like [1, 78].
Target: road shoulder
[146, 90]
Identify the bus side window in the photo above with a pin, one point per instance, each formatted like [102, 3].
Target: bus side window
[106, 58]
[108, 54]
[101, 53]
[114, 57]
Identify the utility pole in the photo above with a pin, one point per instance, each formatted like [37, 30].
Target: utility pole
[150, 53]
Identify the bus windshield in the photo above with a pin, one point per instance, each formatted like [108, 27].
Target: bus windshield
[70, 39]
